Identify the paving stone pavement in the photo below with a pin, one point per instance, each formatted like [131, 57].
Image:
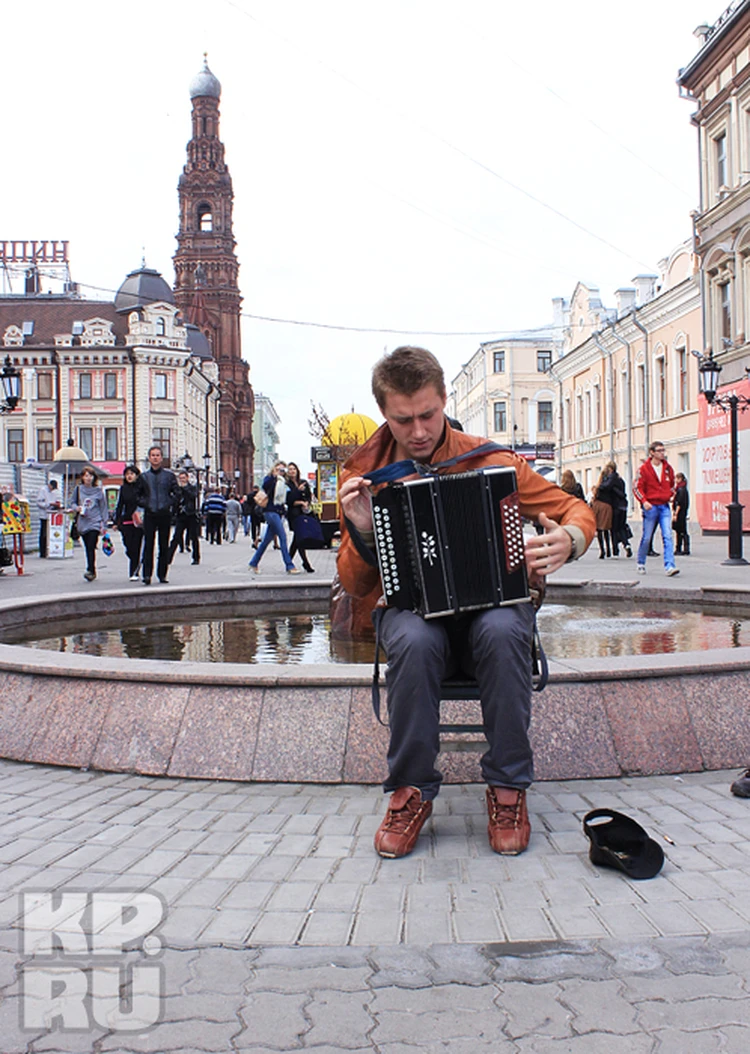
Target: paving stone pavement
[281, 929]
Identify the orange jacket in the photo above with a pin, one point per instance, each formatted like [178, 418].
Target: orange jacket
[536, 495]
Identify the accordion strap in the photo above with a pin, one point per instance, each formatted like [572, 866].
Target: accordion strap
[399, 469]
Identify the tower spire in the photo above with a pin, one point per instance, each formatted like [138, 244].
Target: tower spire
[207, 272]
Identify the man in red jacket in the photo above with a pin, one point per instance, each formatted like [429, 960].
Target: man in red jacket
[654, 488]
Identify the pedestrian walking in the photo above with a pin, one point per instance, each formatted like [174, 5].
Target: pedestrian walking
[680, 509]
[654, 489]
[274, 490]
[90, 505]
[48, 499]
[186, 523]
[214, 509]
[158, 492]
[233, 516]
[299, 500]
[129, 519]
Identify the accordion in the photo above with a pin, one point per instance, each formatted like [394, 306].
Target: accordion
[449, 544]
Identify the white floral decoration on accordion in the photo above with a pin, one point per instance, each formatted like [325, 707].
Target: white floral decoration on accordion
[429, 548]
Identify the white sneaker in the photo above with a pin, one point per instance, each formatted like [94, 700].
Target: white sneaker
[672, 571]
[135, 578]
[255, 570]
[641, 569]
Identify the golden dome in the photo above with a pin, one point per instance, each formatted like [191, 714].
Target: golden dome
[349, 430]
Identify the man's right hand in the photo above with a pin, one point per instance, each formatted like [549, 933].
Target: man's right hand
[354, 497]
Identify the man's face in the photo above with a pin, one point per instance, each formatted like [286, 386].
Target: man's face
[659, 454]
[182, 479]
[416, 421]
[155, 458]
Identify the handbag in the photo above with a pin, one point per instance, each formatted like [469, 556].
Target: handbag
[6, 556]
[261, 499]
[307, 532]
[75, 534]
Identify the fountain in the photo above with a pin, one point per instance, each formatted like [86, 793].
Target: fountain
[314, 723]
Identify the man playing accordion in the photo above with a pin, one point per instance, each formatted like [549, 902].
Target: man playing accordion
[491, 645]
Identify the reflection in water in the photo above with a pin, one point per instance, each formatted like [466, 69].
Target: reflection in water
[569, 631]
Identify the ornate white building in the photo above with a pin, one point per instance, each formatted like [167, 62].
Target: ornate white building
[115, 377]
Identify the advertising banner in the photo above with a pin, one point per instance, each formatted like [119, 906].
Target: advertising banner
[712, 489]
[58, 531]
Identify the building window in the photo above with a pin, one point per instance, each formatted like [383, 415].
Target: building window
[720, 147]
[579, 416]
[544, 411]
[86, 441]
[661, 387]
[725, 307]
[498, 362]
[110, 385]
[111, 449]
[160, 385]
[15, 445]
[44, 386]
[543, 361]
[613, 406]
[501, 417]
[161, 327]
[163, 437]
[84, 385]
[45, 444]
[205, 217]
[640, 392]
[596, 424]
[682, 380]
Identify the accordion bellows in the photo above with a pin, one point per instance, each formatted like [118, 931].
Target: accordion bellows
[449, 544]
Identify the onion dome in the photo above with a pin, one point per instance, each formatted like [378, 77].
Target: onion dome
[204, 83]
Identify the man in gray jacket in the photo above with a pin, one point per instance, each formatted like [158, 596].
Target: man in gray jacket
[158, 493]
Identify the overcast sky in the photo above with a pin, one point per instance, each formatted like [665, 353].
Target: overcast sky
[415, 166]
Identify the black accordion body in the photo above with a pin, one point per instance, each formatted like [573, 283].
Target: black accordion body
[453, 543]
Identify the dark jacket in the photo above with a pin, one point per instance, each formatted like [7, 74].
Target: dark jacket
[612, 490]
[158, 490]
[187, 500]
[128, 500]
[295, 494]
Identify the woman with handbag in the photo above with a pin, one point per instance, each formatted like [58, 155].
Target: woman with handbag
[603, 512]
[299, 498]
[90, 504]
[272, 499]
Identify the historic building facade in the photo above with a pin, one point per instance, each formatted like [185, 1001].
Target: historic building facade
[718, 81]
[206, 273]
[115, 377]
[504, 391]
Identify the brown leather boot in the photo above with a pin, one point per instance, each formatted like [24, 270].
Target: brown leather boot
[406, 814]
[509, 829]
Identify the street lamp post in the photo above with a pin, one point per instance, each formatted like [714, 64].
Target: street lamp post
[237, 475]
[708, 376]
[11, 380]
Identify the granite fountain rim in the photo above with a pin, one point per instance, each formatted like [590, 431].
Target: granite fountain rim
[21, 659]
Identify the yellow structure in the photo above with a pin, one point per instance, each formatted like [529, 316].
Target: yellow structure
[343, 435]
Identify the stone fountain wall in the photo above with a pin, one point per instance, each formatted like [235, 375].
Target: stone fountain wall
[639, 715]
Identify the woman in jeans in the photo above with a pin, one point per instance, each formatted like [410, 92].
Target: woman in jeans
[91, 505]
[275, 490]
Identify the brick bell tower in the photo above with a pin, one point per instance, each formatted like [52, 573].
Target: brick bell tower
[206, 275]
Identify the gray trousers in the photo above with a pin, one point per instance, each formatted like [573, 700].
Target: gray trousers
[492, 646]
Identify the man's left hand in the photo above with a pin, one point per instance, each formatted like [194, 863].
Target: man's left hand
[547, 552]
